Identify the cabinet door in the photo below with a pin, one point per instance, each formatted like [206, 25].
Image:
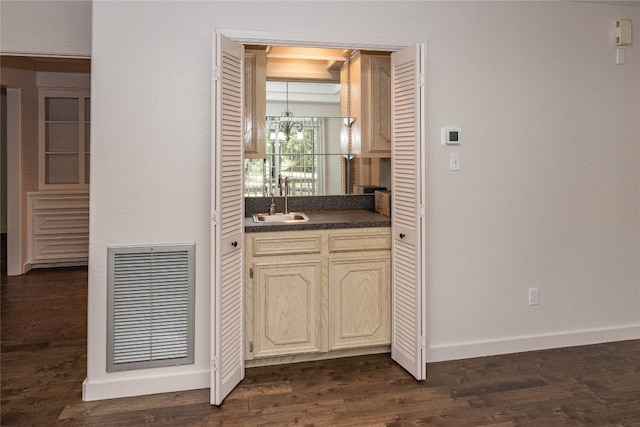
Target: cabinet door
[286, 298]
[370, 103]
[380, 106]
[359, 301]
[64, 116]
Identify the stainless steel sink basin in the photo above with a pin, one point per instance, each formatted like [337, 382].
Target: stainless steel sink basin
[290, 218]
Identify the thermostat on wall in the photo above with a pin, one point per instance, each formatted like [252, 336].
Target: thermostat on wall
[451, 136]
[623, 33]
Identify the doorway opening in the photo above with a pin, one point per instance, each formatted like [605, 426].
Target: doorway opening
[408, 280]
[21, 145]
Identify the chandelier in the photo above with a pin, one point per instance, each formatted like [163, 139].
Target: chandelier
[282, 129]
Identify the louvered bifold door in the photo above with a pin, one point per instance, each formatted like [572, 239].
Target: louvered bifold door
[227, 362]
[408, 221]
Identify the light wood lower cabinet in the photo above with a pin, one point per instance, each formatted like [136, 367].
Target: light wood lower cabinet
[316, 294]
[359, 302]
[287, 305]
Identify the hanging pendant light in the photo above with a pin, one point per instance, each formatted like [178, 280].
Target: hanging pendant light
[283, 127]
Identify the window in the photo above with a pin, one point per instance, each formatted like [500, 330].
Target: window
[299, 158]
[65, 117]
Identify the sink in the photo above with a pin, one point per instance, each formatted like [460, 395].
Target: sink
[290, 218]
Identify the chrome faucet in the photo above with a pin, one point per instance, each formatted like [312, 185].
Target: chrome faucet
[287, 189]
[272, 206]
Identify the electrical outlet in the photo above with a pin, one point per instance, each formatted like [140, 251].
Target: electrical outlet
[533, 296]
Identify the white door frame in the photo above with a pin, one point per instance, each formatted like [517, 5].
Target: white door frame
[326, 40]
[320, 40]
[14, 183]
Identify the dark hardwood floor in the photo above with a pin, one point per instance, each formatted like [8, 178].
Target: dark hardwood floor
[44, 363]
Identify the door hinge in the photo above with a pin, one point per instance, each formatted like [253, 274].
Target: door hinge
[423, 342]
[250, 346]
[214, 363]
[214, 217]
[421, 79]
[216, 73]
[250, 272]
[421, 211]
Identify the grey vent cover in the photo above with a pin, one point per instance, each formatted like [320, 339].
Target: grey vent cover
[151, 299]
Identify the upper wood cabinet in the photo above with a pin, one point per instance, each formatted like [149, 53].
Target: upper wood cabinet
[65, 117]
[255, 104]
[370, 104]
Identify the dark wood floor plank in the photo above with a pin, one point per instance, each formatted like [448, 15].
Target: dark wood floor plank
[43, 364]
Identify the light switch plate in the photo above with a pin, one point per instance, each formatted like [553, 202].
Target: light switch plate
[620, 56]
[454, 161]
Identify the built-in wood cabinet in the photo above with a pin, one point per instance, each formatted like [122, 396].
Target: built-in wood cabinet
[359, 288]
[65, 119]
[316, 294]
[255, 103]
[58, 230]
[287, 305]
[370, 104]
[58, 214]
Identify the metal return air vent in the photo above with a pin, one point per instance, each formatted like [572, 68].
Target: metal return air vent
[151, 300]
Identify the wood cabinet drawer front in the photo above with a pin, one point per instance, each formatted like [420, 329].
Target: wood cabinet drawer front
[294, 244]
[371, 240]
[60, 248]
[63, 222]
[61, 202]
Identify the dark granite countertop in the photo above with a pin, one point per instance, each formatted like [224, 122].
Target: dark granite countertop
[323, 220]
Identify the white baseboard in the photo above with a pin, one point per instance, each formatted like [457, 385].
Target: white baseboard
[139, 386]
[440, 353]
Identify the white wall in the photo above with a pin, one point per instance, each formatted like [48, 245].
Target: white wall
[548, 194]
[46, 28]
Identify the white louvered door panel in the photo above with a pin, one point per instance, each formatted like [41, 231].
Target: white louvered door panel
[228, 211]
[409, 197]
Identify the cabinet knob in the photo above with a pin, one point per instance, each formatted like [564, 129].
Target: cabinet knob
[234, 244]
[402, 235]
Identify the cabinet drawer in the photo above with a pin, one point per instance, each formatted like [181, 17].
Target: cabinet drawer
[286, 244]
[63, 222]
[360, 241]
[60, 248]
[65, 201]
